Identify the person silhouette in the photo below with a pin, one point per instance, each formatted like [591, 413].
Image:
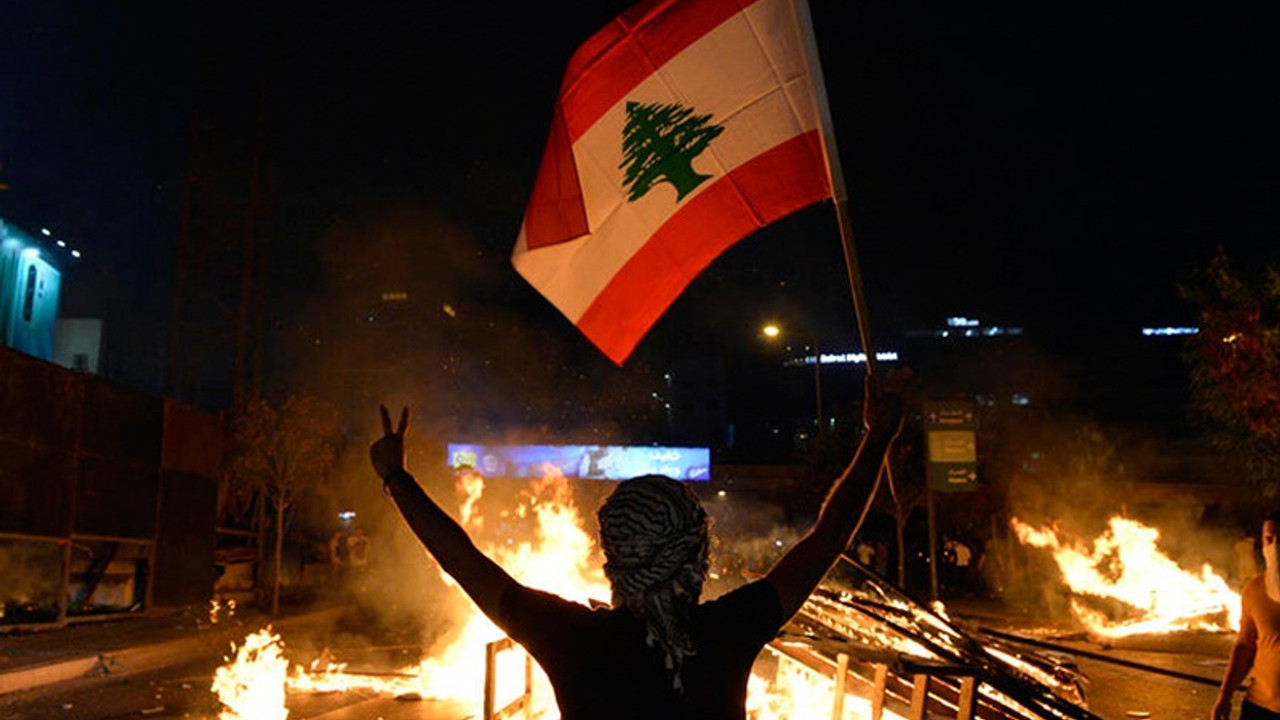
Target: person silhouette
[1256, 651]
[657, 652]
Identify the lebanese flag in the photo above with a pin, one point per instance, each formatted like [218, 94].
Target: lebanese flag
[681, 127]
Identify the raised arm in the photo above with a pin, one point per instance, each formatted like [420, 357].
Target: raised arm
[799, 571]
[481, 578]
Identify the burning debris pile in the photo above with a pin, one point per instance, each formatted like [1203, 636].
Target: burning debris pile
[1123, 585]
[898, 658]
[859, 649]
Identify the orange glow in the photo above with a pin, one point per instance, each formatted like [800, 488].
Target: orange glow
[799, 692]
[1124, 564]
[560, 556]
[252, 686]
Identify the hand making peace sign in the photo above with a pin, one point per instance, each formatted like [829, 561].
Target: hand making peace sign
[387, 454]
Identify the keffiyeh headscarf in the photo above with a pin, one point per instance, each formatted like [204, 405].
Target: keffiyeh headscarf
[655, 537]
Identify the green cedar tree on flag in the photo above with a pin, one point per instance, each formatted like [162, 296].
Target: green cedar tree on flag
[680, 128]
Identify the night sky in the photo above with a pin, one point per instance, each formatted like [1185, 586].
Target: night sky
[1056, 168]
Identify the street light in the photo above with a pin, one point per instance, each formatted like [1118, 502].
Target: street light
[773, 331]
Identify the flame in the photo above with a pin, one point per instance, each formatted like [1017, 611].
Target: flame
[1124, 564]
[876, 634]
[217, 608]
[471, 485]
[252, 686]
[798, 691]
[559, 556]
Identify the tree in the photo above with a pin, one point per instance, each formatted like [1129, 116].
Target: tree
[903, 490]
[280, 454]
[659, 142]
[1235, 366]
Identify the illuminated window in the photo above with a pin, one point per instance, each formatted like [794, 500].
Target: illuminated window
[28, 302]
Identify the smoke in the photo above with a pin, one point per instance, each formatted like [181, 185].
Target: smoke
[408, 304]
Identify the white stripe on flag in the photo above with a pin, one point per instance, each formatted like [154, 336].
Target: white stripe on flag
[750, 74]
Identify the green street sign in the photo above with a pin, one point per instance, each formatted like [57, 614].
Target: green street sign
[953, 446]
[950, 414]
[953, 477]
[951, 434]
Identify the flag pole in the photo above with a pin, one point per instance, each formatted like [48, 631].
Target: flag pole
[835, 176]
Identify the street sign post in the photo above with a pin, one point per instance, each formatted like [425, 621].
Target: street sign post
[951, 432]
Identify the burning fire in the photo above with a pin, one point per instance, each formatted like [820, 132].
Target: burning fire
[1124, 564]
[559, 556]
[252, 686]
[555, 558]
[799, 692]
[217, 608]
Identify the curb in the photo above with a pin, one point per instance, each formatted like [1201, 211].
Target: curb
[143, 658]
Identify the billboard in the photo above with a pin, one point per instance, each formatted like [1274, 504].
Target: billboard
[590, 462]
[29, 285]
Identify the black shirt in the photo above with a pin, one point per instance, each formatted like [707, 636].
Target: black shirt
[601, 668]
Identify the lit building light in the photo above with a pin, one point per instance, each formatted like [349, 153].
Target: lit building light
[75, 253]
[30, 253]
[850, 358]
[1169, 331]
[962, 327]
[62, 243]
[1231, 339]
[45, 232]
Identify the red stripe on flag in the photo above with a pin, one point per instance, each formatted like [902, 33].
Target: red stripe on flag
[555, 213]
[768, 187]
[626, 51]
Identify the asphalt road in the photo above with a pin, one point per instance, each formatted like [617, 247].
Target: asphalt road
[1120, 692]
[183, 693]
[1114, 691]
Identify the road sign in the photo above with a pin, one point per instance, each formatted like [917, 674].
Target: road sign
[951, 432]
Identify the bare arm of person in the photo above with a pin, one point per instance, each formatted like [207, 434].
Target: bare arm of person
[481, 578]
[800, 570]
[1238, 666]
